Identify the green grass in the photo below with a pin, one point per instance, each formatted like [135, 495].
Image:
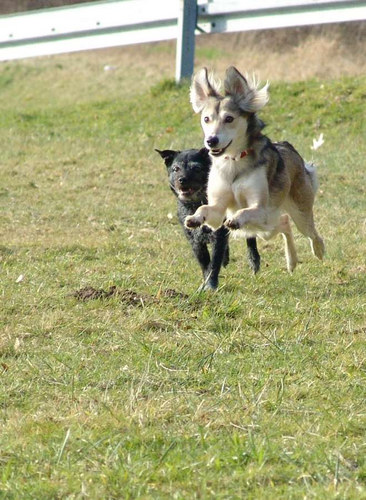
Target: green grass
[256, 391]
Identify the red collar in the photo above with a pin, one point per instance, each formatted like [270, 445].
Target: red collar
[246, 152]
[243, 154]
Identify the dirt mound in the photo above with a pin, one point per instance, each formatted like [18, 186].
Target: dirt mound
[127, 296]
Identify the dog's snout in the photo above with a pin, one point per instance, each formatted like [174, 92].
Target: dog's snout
[182, 180]
[212, 141]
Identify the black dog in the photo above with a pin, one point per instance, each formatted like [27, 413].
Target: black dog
[188, 173]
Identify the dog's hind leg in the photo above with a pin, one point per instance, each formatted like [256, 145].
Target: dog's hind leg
[226, 258]
[317, 246]
[220, 255]
[253, 255]
[290, 251]
[202, 254]
[305, 224]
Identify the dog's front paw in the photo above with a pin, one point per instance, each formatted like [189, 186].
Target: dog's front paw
[192, 221]
[232, 224]
[208, 286]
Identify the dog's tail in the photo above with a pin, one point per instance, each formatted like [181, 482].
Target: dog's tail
[311, 171]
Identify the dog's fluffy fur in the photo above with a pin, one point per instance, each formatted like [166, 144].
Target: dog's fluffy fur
[254, 184]
[188, 174]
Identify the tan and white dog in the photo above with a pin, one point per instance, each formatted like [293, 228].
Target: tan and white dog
[254, 184]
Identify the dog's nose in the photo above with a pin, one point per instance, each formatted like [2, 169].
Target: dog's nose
[182, 180]
[212, 141]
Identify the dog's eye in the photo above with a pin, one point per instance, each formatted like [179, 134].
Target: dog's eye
[175, 168]
[229, 119]
[206, 119]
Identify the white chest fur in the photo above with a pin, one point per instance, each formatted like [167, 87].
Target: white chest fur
[229, 169]
[237, 182]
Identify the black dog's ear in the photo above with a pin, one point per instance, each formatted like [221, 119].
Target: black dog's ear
[203, 152]
[168, 156]
[205, 157]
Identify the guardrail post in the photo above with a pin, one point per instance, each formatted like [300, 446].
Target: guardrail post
[187, 19]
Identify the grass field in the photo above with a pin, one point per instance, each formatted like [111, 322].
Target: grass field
[154, 390]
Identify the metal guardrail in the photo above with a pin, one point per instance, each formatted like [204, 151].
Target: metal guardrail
[113, 23]
[221, 16]
[86, 26]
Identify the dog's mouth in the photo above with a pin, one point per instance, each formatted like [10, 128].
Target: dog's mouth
[219, 152]
[186, 192]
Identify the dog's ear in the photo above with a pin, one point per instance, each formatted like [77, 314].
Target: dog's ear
[235, 83]
[204, 153]
[245, 91]
[168, 156]
[203, 86]
[205, 158]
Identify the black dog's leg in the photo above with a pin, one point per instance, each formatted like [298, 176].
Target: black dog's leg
[202, 254]
[220, 255]
[200, 250]
[225, 260]
[253, 255]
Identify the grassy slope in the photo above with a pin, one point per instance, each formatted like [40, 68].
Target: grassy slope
[257, 391]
